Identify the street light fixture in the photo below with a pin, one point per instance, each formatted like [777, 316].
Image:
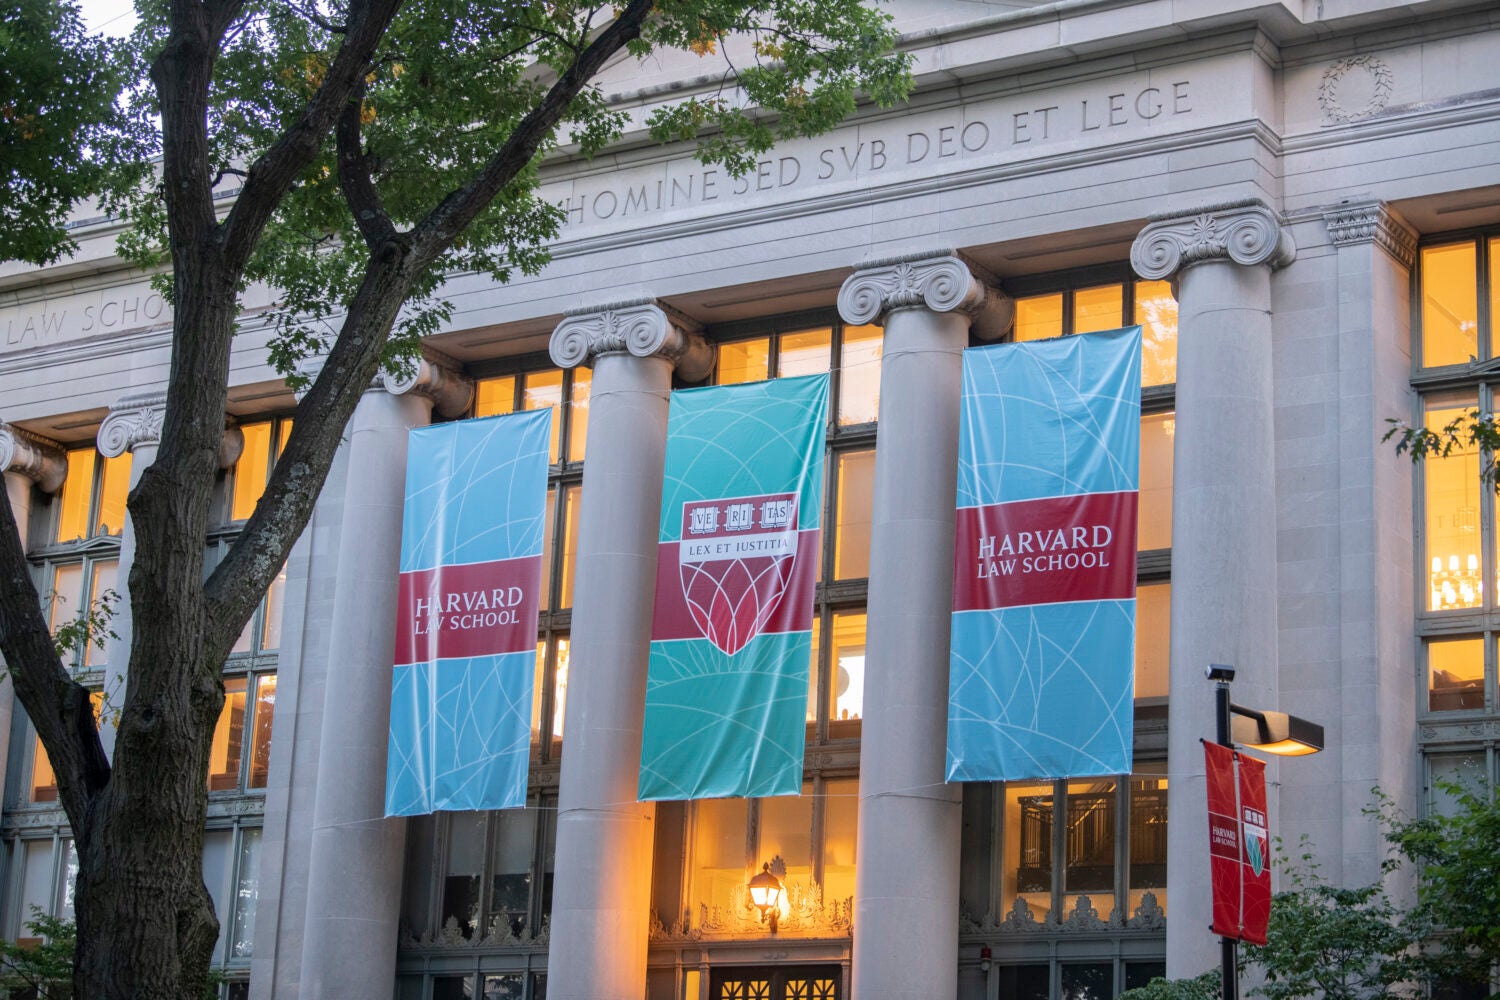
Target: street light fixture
[1269, 732]
[765, 893]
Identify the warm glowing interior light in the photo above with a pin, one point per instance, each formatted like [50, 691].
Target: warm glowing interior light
[1286, 748]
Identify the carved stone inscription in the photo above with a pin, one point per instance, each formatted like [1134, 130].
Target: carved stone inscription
[74, 317]
[1000, 130]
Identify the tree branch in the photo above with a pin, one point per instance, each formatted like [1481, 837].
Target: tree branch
[436, 232]
[277, 169]
[354, 176]
[59, 707]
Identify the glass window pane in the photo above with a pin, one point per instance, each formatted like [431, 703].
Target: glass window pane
[465, 866]
[1088, 981]
[67, 882]
[104, 572]
[1089, 842]
[229, 738]
[114, 487]
[453, 988]
[43, 779]
[493, 396]
[812, 677]
[805, 353]
[250, 471]
[36, 886]
[1039, 317]
[216, 857]
[744, 361]
[265, 716]
[543, 391]
[570, 543]
[247, 888]
[1450, 304]
[507, 987]
[283, 432]
[1148, 836]
[851, 555]
[1455, 674]
[560, 688]
[1026, 873]
[1154, 520]
[537, 680]
[1451, 488]
[1153, 641]
[1466, 769]
[1025, 982]
[549, 524]
[847, 695]
[840, 836]
[1156, 312]
[77, 491]
[1139, 974]
[67, 589]
[1101, 308]
[510, 869]
[270, 633]
[859, 374]
[578, 414]
[786, 832]
[719, 862]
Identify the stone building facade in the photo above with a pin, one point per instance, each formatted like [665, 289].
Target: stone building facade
[1300, 203]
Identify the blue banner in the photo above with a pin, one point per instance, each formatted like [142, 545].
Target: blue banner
[731, 639]
[1042, 670]
[471, 563]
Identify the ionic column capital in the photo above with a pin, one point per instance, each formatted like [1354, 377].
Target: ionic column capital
[1374, 222]
[644, 328]
[134, 421]
[433, 376]
[1245, 232]
[938, 280]
[42, 461]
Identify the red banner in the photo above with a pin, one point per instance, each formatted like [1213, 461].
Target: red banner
[1223, 840]
[1255, 910]
[1072, 548]
[1239, 846]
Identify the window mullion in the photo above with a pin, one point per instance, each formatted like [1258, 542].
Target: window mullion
[1059, 845]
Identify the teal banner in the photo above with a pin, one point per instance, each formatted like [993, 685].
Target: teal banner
[731, 640]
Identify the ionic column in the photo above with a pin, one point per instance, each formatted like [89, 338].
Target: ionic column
[906, 882]
[602, 890]
[1223, 516]
[354, 872]
[26, 460]
[134, 425]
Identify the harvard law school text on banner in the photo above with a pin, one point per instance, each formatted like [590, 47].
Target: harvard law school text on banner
[471, 564]
[731, 640]
[1238, 844]
[1042, 674]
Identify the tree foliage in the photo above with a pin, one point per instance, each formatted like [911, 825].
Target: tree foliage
[1470, 432]
[1456, 854]
[349, 154]
[1337, 943]
[63, 137]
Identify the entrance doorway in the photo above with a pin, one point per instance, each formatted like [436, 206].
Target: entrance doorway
[777, 982]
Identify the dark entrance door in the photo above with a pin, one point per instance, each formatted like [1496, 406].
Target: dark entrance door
[777, 982]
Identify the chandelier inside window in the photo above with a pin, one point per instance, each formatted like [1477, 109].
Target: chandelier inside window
[1455, 583]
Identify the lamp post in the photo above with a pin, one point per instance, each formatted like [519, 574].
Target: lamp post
[1269, 732]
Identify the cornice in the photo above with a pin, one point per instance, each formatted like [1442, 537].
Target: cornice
[941, 280]
[644, 328]
[1372, 222]
[133, 421]
[42, 461]
[1245, 232]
